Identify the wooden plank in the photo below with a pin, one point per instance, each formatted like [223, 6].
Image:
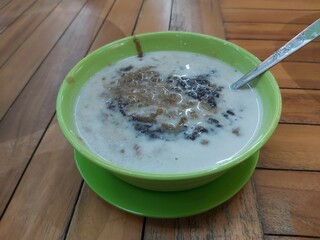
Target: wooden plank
[289, 202]
[154, 16]
[46, 194]
[105, 221]
[292, 147]
[263, 31]
[300, 106]
[26, 121]
[269, 16]
[264, 48]
[96, 219]
[236, 219]
[20, 30]
[203, 16]
[4, 3]
[272, 4]
[31, 54]
[297, 75]
[12, 11]
[116, 26]
[268, 237]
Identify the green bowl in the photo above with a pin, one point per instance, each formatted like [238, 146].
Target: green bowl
[177, 41]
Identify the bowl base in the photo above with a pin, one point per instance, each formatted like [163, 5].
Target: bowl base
[165, 204]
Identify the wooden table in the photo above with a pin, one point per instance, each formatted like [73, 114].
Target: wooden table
[42, 195]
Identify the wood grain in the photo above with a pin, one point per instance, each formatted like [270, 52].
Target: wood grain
[96, 219]
[264, 48]
[203, 16]
[115, 25]
[4, 3]
[300, 106]
[46, 194]
[263, 31]
[21, 29]
[272, 4]
[10, 12]
[154, 16]
[33, 51]
[268, 237]
[237, 15]
[292, 147]
[236, 219]
[289, 202]
[22, 128]
[297, 75]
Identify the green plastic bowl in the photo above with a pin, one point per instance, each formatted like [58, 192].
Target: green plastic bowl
[178, 41]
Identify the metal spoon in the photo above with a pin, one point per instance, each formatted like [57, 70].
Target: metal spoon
[303, 38]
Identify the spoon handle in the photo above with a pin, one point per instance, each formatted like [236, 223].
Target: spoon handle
[303, 38]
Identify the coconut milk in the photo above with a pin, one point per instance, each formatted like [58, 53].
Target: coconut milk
[167, 112]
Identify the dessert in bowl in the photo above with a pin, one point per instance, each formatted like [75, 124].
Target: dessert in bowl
[156, 109]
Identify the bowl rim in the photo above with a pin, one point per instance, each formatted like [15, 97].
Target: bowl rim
[116, 169]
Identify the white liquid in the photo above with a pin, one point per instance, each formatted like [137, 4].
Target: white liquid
[109, 134]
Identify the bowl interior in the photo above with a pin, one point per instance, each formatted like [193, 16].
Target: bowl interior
[166, 41]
